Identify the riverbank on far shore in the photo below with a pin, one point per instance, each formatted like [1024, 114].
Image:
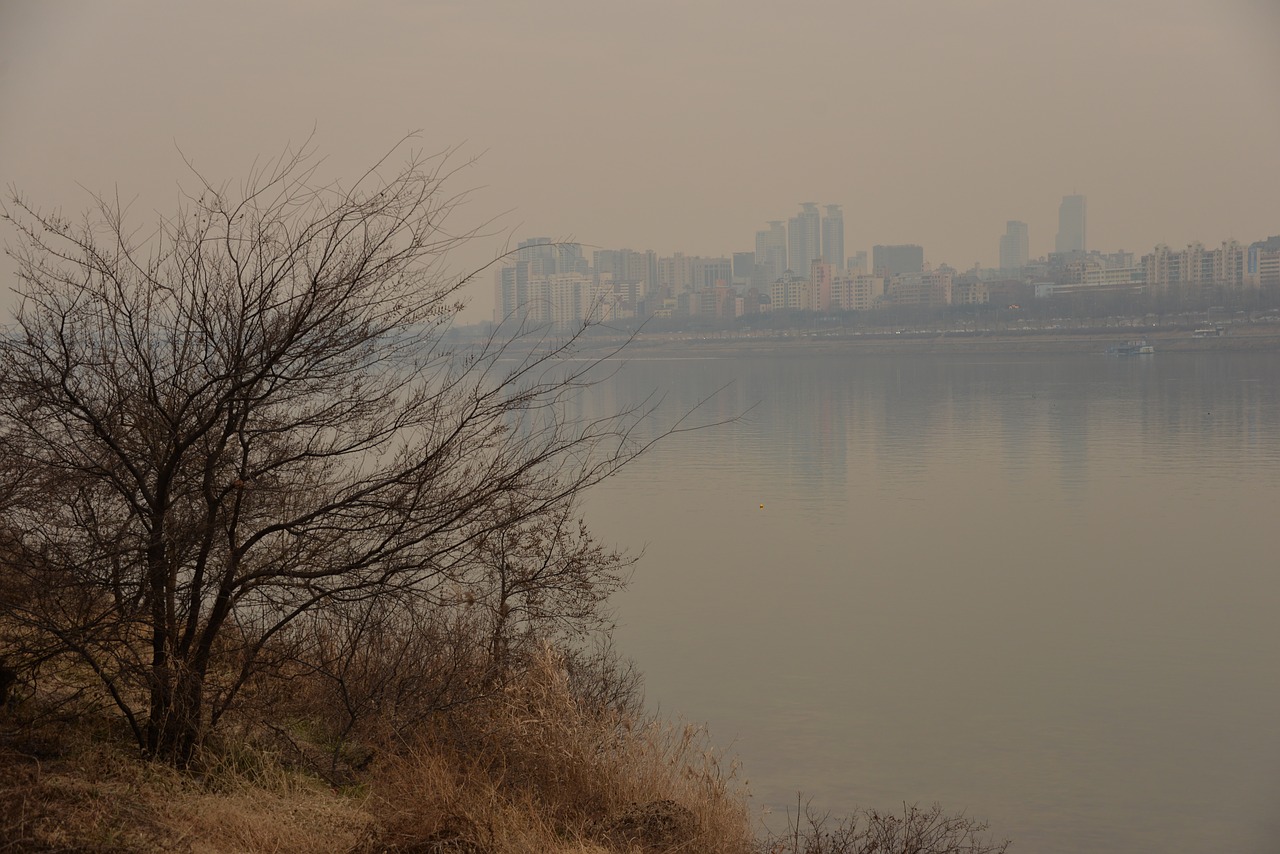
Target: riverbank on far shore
[1098, 341]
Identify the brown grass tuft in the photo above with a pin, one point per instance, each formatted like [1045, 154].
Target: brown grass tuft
[533, 770]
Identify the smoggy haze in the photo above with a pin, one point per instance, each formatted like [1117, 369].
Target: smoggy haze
[682, 126]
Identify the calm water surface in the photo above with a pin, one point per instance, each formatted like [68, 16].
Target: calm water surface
[1042, 590]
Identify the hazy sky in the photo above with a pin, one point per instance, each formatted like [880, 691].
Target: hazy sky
[682, 126]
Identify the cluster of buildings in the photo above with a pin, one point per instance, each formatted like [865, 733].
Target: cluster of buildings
[1073, 268]
[800, 264]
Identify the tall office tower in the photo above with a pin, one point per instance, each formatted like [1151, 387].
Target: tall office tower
[833, 237]
[1014, 246]
[804, 238]
[744, 264]
[771, 251]
[896, 260]
[858, 262]
[1071, 225]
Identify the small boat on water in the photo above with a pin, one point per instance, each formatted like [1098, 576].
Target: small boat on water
[1135, 348]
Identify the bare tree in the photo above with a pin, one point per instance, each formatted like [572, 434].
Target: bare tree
[226, 424]
[545, 578]
[367, 676]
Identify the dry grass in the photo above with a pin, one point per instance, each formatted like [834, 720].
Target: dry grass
[532, 770]
[388, 749]
[65, 791]
[535, 766]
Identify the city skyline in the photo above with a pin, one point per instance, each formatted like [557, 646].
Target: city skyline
[645, 126]
[545, 282]
[1070, 234]
[775, 247]
[781, 242]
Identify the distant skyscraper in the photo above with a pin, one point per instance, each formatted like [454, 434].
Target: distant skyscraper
[540, 252]
[1071, 225]
[709, 273]
[1014, 246]
[546, 258]
[896, 260]
[833, 237]
[743, 267]
[821, 277]
[626, 265]
[771, 251]
[543, 281]
[804, 238]
[858, 262]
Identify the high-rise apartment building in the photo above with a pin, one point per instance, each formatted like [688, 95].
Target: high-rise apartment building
[804, 238]
[1014, 247]
[629, 267]
[510, 291]
[897, 260]
[513, 294]
[1071, 225]
[1196, 267]
[1262, 262]
[771, 251]
[709, 273]
[540, 252]
[684, 274]
[856, 291]
[569, 259]
[833, 237]
[821, 276]
[675, 274]
[791, 293]
[928, 290]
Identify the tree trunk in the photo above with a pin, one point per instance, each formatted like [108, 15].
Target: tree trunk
[175, 726]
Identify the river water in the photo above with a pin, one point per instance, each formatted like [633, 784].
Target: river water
[1042, 590]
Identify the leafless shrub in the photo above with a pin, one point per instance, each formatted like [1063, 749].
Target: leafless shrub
[916, 830]
[601, 679]
[543, 579]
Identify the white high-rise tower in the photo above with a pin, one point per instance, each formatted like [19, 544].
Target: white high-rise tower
[804, 239]
[1071, 225]
[1014, 246]
[833, 237]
